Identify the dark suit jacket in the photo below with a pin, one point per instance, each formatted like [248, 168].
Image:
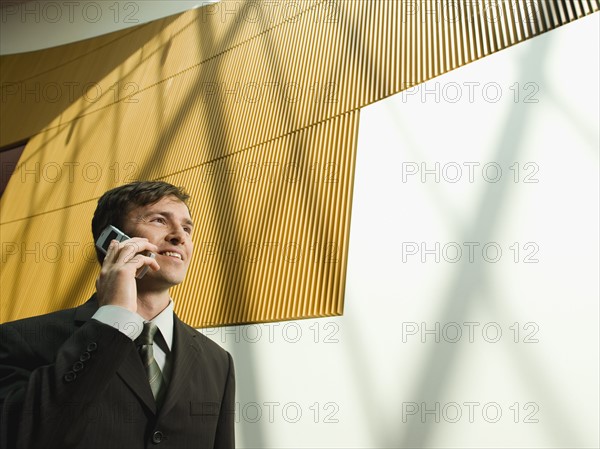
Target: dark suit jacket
[68, 381]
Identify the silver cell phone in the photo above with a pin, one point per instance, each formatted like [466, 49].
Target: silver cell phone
[111, 233]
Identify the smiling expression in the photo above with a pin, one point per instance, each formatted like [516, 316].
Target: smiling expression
[168, 225]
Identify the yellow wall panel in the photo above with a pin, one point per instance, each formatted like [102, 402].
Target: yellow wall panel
[331, 58]
[271, 239]
[47, 262]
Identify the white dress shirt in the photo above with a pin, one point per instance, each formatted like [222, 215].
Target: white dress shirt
[131, 324]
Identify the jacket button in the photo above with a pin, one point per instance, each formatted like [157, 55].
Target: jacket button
[157, 437]
[92, 346]
[77, 366]
[70, 376]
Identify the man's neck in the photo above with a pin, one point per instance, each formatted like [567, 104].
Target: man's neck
[150, 304]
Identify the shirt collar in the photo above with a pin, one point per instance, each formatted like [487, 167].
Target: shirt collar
[164, 322]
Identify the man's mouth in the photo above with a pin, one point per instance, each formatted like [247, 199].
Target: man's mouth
[171, 254]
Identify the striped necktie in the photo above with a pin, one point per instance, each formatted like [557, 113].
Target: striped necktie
[145, 342]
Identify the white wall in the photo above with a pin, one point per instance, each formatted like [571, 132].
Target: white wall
[356, 380]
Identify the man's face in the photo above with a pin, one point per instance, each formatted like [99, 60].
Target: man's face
[168, 225]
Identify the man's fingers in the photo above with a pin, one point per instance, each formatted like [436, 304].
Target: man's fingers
[111, 252]
[141, 259]
[131, 253]
[128, 249]
[151, 262]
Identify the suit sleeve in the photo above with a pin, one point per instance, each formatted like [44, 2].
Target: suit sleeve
[225, 437]
[44, 406]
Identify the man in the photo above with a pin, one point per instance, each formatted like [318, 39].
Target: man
[121, 371]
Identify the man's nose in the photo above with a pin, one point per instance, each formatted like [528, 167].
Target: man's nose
[176, 236]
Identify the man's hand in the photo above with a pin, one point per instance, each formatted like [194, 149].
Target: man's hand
[116, 284]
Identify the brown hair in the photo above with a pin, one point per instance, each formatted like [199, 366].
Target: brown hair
[115, 204]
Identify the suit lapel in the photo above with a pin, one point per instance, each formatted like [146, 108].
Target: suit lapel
[187, 354]
[133, 374]
[131, 371]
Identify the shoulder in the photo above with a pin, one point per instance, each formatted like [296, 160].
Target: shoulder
[34, 341]
[204, 344]
[45, 331]
[41, 324]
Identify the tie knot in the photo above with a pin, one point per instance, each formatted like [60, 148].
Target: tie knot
[147, 335]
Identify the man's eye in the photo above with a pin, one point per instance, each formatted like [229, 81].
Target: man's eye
[159, 219]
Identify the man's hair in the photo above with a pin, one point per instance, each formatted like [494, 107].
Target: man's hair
[115, 204]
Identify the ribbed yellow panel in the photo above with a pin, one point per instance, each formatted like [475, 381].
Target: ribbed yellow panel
[279, 248]
[209, 84]
[271, 238]
[48, 262]
[205, 90]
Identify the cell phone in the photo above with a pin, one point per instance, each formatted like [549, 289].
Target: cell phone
[111, 233]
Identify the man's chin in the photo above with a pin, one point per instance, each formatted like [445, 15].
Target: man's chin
[155, 281]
